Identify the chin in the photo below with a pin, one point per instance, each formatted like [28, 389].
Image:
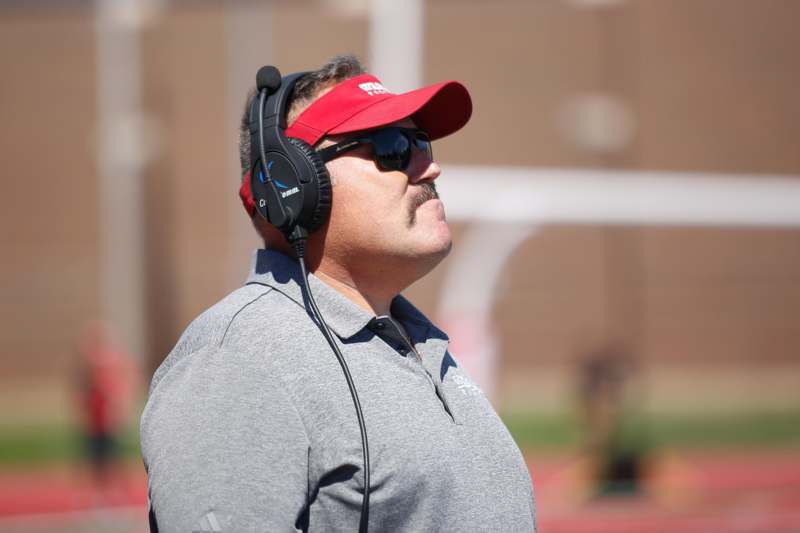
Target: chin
[445, 250]
[438, 243]
[433, 256]
[445, 240]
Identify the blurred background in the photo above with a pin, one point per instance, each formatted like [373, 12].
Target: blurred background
[625, 280]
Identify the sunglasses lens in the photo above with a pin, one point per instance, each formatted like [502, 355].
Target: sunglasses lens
[424, 144]
[392, 149]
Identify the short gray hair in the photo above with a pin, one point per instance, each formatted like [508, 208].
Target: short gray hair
[306, 90]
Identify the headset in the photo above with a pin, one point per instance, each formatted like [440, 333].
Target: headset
[292, 191]
[288, 179]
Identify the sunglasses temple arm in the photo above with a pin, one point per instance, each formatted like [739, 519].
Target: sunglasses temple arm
[327, 153]
[335, 150]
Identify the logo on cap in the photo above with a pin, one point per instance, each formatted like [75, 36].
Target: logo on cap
[372, 88]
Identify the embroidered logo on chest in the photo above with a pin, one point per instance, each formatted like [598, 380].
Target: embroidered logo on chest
[467, 387]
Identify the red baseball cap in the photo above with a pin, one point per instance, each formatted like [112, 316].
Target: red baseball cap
[363, 103]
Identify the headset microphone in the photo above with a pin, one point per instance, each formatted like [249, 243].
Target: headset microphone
[268, 78]
[277, 213]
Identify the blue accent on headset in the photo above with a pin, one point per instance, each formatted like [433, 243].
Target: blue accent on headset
[279, 184]
[269, 169]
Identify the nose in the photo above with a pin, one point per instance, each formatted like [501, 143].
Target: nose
[424, 170]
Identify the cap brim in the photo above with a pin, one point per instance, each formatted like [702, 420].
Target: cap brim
[439, 110]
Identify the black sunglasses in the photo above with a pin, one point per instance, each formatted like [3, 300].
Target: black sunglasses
[391, 147]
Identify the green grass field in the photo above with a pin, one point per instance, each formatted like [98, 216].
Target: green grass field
[53, 443]
[745, 430]
[26, 446]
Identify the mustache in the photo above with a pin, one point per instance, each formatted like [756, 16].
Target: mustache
[427, 191]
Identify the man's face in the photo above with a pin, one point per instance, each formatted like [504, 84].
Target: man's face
[386, 217]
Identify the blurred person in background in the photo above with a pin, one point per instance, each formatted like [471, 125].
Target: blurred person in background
[613, 445]
[249, 424]
[105, 391]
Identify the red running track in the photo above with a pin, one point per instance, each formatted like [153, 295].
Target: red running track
[717, 492]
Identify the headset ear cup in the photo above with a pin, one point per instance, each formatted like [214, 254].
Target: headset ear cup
[321, 180]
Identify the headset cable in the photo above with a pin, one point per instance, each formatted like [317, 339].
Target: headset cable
[298, 242]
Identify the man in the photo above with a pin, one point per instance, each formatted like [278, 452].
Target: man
[250, 425]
